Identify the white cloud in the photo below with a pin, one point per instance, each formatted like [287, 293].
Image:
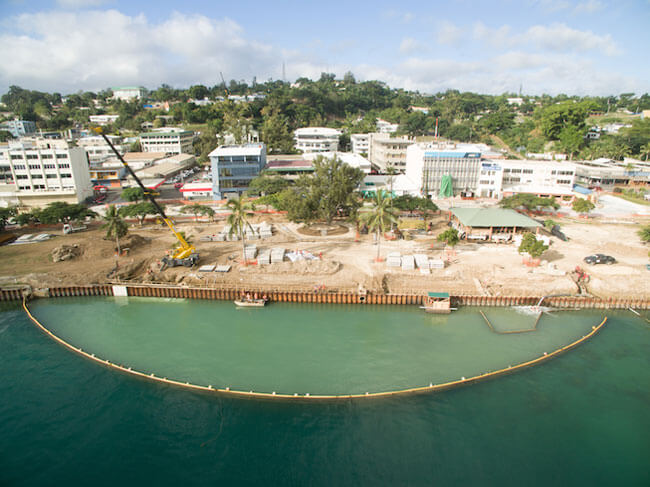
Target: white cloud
[555, 37]
[80, 3]
[500, 37]
[559, 37]
[96, 49]
[410, 45]
[449, 33]
[588, 7]
[93, 50]
[401, 16]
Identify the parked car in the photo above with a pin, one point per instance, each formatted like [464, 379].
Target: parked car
[178, 185]
[599, 259]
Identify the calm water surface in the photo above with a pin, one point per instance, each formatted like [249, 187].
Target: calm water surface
[581, 419]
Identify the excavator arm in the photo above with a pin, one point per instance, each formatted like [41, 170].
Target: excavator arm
[184, 254]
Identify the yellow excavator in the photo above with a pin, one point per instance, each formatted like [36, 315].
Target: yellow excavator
[185, 254]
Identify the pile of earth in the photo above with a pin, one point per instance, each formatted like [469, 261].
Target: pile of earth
[66, 252]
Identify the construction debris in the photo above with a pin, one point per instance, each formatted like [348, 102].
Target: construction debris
[65, 252]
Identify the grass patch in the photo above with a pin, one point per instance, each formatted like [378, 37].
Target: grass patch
[632, 199]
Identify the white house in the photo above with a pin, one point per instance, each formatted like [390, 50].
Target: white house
[102, 119]
[128, 93]
[317, 139]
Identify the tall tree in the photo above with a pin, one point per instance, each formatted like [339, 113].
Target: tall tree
[238, 221]
[380, 217]
[115, 226]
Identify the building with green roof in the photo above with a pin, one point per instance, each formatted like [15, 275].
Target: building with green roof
[490, 223]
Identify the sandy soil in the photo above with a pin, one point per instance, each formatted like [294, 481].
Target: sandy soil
[493, 269]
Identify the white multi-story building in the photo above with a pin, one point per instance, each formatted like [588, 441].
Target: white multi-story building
[317, 139]
[503, 178]
[19, 128]
[46, 171]
[128, 93]
[102, 119]
[97, 148]
[360, 143]
[443, 169]
[169, 140]
[386, 151]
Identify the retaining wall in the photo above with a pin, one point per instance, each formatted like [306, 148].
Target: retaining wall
[565, 302]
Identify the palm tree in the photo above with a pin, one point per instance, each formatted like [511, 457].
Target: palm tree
[115, 226]
[380, 217]
[645, 151]
[238, 220]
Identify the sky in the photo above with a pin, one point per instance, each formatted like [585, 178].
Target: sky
[582, 47]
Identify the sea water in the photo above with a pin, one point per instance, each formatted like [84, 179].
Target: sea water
[579, 419]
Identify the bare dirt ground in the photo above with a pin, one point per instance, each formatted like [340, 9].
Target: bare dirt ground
[347, 264]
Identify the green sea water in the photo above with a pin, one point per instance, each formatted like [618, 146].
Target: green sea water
[580, 419]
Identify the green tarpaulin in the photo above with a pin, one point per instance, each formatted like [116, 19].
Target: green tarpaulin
[446, 187]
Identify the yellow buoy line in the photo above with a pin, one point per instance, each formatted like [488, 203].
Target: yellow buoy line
[307, 396]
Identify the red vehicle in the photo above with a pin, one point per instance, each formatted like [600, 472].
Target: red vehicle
[178, 185]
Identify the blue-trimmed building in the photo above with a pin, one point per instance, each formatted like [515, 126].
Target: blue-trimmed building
[441, 170]
[234, 167]
[19, 128]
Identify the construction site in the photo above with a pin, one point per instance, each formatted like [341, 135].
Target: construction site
[283, 256]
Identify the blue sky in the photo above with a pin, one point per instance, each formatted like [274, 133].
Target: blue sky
[596, 47]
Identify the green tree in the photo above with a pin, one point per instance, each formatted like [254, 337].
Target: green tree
[571, 140]
[61, 212]
[528, 201]
[197, 209]
[645, 151]
[380, 217]
[27, 218]
[644, 234]
[531, 246]
[115, 226]
[6, 214]
[265, 184]
[582, 206]
[139, 210]
[132, 194]
[329, 192]
[238, 221]
[555, 118]
[449, 236]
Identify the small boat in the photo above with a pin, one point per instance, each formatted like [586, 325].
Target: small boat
[250, 303]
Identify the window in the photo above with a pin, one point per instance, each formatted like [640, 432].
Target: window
[22, 176]
[66, 175]
[563, 181]
[64, 166]
[527, 171]
[46, 156]
[23, 187]
[516, 171]
[49, 166]
[37, 176]
[34, 166]
[51, 176]
[31, 156]
[62, 156]
[15, 157]
[19, 166]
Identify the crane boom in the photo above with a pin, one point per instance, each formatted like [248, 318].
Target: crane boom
[185, 250]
